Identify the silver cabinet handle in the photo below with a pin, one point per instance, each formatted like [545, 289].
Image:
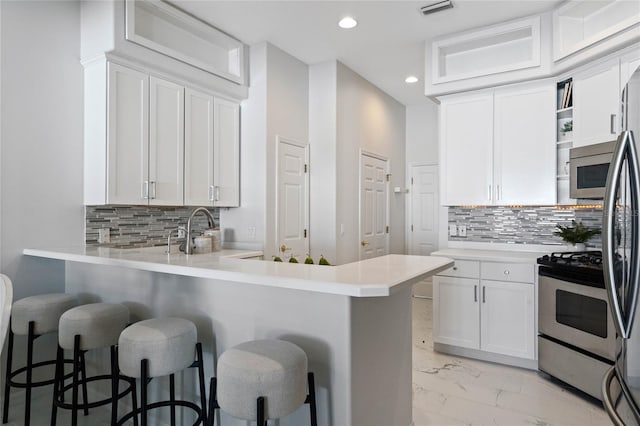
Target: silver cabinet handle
[455, 268]
[475, 293]
[211, 193]
[216, 191]
[613, 123]
[484, 294]
[498, 195]
[490, 194]
[145, 189]
[153, 189]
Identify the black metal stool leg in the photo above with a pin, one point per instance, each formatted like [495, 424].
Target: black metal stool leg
[114, 386]
[203, 392]
[261, 416]
[172, 398]
[213, 402]
[74, 387]
[143, 390]
[58, 384]
[7, 377]
[27, 404]
[83, 371]
[311, 399]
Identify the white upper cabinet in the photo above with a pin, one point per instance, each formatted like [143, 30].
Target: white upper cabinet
[127, 135]
[466, 149]
[161, 144]
[198, 148]
[212, 151]
[498, 147]
[524, 150]
[226, 153]
[596, 101]
[166, 149]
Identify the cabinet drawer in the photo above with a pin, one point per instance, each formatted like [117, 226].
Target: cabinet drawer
[500, 271]
[464, 269]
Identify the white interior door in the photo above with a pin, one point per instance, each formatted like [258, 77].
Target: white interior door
[423, 223]
[293, 198]
[374, 202]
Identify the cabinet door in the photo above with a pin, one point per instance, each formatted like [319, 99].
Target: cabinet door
[198, 149]
[127, 135]
[166, 143]
[596, 100]
[524, 146]
[466, 147]
[456, 311]
[226, 153]
[507, 318]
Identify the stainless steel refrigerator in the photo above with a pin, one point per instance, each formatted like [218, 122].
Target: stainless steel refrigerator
[621, 261]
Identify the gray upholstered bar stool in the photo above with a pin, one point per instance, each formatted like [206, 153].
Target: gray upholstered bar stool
[33, 317]
[84, 328]
[261, 380]
[162, 347]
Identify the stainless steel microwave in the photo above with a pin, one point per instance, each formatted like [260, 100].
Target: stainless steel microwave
[589, 166]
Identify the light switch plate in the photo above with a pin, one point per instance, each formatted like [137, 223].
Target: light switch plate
[462, 230]
[104, 236]
[453, 230]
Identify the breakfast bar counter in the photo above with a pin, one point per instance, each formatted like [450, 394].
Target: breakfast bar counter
[353, 320]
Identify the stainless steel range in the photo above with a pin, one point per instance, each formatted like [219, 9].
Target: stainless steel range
[576, 333]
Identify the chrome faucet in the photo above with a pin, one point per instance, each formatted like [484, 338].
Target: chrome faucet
[187, 244]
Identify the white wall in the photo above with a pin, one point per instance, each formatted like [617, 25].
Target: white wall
[237, 222]
[277, 106]
[288, 117]
[370, 120]
[41, 139]
[322, 138]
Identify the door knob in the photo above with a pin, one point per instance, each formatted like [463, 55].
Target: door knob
[364, 243]
[284, 248]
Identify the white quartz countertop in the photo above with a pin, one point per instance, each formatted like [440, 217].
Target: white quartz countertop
[491, 255]
[368, 278]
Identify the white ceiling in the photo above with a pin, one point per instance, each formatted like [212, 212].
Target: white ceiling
[385, 47]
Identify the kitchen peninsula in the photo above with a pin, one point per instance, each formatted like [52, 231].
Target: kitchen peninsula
[352, 320]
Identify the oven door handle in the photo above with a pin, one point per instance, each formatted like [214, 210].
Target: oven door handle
[625, 147]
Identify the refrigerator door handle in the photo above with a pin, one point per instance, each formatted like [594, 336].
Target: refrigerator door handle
[634, 271]
[622, 149]
[607, 400]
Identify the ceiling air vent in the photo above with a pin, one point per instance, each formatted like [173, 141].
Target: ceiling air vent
[436, 6]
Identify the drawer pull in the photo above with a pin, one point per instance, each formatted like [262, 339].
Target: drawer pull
[484, 294]
[506, 272]
[475, 293]
[455, 268]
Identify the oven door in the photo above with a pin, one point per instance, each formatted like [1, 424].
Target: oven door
[576, 314]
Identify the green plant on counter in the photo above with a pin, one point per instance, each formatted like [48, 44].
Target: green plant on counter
[323, 261]
[308, 260]
[567, 126]
[577, 233]
[277, 259]
[293, 260]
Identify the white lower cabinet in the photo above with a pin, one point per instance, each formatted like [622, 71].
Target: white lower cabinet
[494, 316]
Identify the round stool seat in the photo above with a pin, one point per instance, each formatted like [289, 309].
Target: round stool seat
[98, 324]
[273, 369]
[169, 345]
[44, 310]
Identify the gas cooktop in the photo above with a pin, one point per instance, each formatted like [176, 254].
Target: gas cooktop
[581, 267]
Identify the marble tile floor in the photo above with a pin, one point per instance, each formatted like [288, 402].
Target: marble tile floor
[450, 390]
[447, 390]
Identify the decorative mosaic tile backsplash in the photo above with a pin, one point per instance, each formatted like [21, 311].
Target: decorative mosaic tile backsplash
[522, 225]
[140, 226]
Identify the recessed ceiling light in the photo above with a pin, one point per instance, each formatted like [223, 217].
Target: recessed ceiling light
[347, 22]
[411, 79]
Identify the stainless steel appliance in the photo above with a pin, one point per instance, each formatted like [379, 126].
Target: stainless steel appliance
[576, 335]
[620, 247]
[588, 170]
